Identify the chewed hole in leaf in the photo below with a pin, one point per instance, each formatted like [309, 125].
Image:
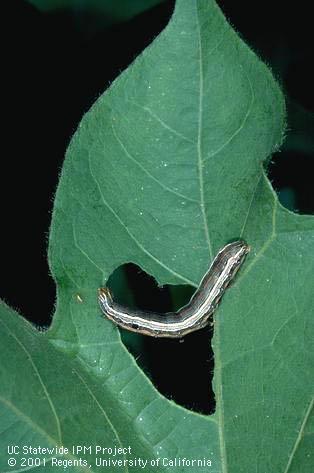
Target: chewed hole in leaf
[291, 176]
[179, 368]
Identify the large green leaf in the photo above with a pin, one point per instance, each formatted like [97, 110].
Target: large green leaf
[50, 399]
[165, 169]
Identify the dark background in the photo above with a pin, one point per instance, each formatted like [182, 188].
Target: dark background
[54, 66]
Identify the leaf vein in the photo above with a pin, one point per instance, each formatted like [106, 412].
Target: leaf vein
[238, 130]
[51, 404]
[300, 435]
[139, 244]
[162, 123]
[166, 188]
[82, 251]
[250, 205]
[266, 244]
[90, 392]
[199, 141]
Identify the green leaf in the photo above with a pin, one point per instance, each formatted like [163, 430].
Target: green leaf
[49, 399]
[165, 169]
